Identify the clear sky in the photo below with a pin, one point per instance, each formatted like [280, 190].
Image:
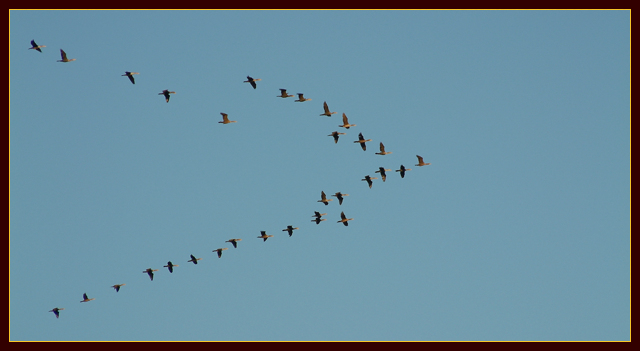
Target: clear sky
[518, 230]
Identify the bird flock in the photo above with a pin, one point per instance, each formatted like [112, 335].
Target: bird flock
[317, 216]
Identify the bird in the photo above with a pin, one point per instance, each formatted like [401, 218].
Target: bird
[336, 135]
[117, 286]
[318, 220]
[85, 298]
[345, 122]
[220, 251]
[290, 229]
[166, 94]
[194, 259]
[35, 46]
[56, 311]
[130, 75]
[362, 142]
[318, 214]
[150, 271]
[326, 110]
[170, 266]
[252, 81]
[324, 198]
[368, 179]
[264, 235]
[64, 57]
[234, 242]
[344, 219]
[301, 98]
[283, 94]
[382, 152]
[402, 170]
[225, 119]
[421, 161]
[340, 195]
[383, 173]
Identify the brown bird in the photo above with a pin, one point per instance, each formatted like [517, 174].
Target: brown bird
[324, 199]
[117, 286]
[362, 142]
[421, 161]
[194, 259]
[283, 94]
[336, 136]
[56, 311]
[225, 119]
[345, 122]
[326, 110]
[301, 98]
[150, 271]
[219, 251]
[340, 195]
[402, 170]
[170, 266]
[166, 94]
[344, 219]
[130, 75]
[368, 179]
[64, 57]
[85, 298]
[383, 173]
[382, 152]
[234, 242]
[252, 81]
[264, 235]
[35, 46]
[318, 218]
[290, 229]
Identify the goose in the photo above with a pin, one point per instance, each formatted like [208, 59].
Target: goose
[150, 271]
[35, 46]
[369, 180]
[85, 298]
[194, 259]
[166, 94]
[383, 173]
[340, 195]
[283, 94]
[225, 119]
[64, 57]
[326, 110]
[170, 266]
[421, 161]
[117, 286]
[344, 219]
[402, 170]
[252, 81]
[220, 251]
[382, 152]
[130, 75]
[336, 135]
[301, 98]
[362, 142]
[318, 214]
[324, 198]
[234, 242]
[290, 229]
[318, 220]
[56, 311]
[264, 235]
[345, 122]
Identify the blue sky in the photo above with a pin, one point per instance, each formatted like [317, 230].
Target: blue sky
[518, 230]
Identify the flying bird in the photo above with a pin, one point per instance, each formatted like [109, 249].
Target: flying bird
[369, 180]
[326, 110]
[150, 271]
[336, 136]
[35, 46]
[318, 220]
[402, 170]
[318, 214]
[219, 251]
[283, 94]
[194, 259]
[130, 75]
[324, 198]
[225, 119]
[383, 173]
[234, 242]
[362, 142]
[85, 298]
[290, 229]
[252, 81]
[345, 122]
[382, 152]
[340, 195]
[117, 286]
[56, 311]
[264, 236]
[421, 161]
[301, 98]
[344, 219]
[170, 266]
[166, 94]
[64, 57]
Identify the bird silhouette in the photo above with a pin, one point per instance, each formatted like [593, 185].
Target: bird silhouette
[344, 219]
[382, 152]
[194, 259]
[421, 161]
[283, 94]
[64, 57]
[383, 173]
[85, 298]
[56, 311]
[225, 119]
[340, 195]
[130, 75]
[166, 94]
[326, 110]
[336, 136]
[234, 242]
[219, 251]
[37, 47]
[252, 81]
[362, 142]
[117, 287]
[369, 180]
[150, 271]
[290, 229]
[345, 122]
[301, 98]
[264, 235]
[402, 170]
[170, 266]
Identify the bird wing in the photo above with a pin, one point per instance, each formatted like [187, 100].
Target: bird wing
[326, 108]
[381, 147]
[85, 296]
[131, 78]
[253, 83]
[63, 54]
[343, 216]
[33, 43]
[420, 159]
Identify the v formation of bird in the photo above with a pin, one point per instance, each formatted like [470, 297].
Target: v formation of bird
[225, 120]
